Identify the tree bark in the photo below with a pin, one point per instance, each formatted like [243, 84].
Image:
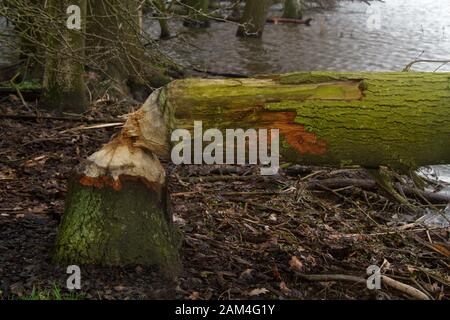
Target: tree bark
[117, 207]
[63, 85]
[400, 120]
[196, 11]
[293, 9]
[113, 39]
[115, 49]
[254, 18]
[161, 11]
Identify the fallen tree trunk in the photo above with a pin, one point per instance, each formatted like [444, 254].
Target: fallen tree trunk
[116, 211]
[399, 120]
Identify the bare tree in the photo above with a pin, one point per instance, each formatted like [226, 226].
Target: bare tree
[254, 18]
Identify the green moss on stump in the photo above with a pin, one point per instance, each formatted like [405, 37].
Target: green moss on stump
[131, 226]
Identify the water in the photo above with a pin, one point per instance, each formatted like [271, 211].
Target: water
[440, 175]
[343, 39]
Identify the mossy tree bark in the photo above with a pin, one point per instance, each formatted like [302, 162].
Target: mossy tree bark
[63, 85]
[254, 18]
[293, 9]
[197, 9]
[400, 120]
[117, 208]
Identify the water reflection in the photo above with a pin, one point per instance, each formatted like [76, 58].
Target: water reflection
[381, 37]
[254, 55]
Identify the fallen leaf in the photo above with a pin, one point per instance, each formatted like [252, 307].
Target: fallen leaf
[119, 288]
[38, 209]
[194, 296]
[296, 264]
[441, 249]
[257, 292]
[247, 274]
[7, 174]
[284, 288]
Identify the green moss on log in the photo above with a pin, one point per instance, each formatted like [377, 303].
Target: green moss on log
[401, 120]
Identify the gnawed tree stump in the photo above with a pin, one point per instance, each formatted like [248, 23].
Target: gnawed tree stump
[117, 211]
[117, 207]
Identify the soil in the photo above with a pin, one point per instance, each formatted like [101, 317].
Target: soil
[245, 237]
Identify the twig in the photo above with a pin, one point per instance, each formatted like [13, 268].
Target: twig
[72, 119]
[407, 289]
[337, 183]
[408, 67]
[228, 178]
[396, 231]
[333, 277]
[100, 126]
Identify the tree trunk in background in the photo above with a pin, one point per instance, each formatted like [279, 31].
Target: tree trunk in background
[115, 212]
[115, 49]
[196, 11]
[63, 86]
[161, 12]
[254, 18]
[27, 26]
[113, 39]
[293, 9]
[236, 13]
[214, 4]
[31, 52]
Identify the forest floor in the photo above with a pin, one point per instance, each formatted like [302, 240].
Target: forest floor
[245, 236]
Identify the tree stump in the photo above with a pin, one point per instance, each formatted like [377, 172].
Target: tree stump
[117, 210]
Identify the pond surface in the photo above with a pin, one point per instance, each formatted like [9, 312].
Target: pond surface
[354, 37]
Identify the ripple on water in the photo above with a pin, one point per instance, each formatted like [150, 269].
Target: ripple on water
[408, 29]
